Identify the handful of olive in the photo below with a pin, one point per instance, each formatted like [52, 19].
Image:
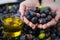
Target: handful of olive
[40, 15]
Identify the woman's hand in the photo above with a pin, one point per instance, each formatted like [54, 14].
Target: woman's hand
[25, 6]
[28, 4]
[53, 21]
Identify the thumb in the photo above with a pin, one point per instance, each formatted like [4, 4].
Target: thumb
[22, 9]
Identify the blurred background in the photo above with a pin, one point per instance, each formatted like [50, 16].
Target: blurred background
[58, 2]
[7, 1]
[11, 1]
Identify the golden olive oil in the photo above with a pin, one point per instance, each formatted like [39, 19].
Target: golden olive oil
[12, 26]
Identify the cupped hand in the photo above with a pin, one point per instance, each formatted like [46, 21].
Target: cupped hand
[53, 21]
[23, 7]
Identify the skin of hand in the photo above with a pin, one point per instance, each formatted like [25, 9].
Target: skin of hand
[28, 4]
